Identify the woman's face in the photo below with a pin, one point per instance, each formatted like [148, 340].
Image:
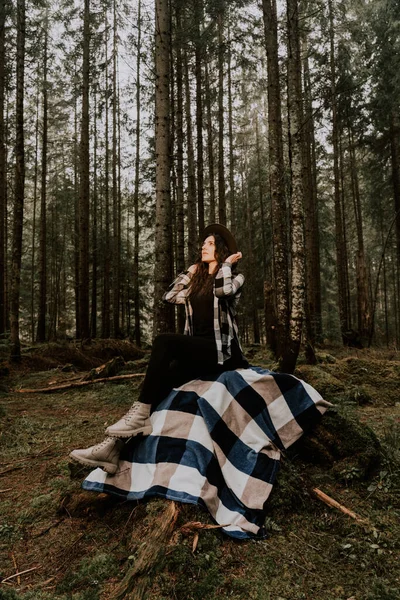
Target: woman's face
[208, 250]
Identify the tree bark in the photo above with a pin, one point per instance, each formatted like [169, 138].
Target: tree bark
[76, 212]
[210, 146]
[34, 206]
[312, 254]
[163, 314]
[276, 179]
[339, 236]
[136, 285]
[295, 110]
[116, 232]
[395, 158]
[191, 194]
[180, 212]
[198, 14]
[363, 303]
[105, 322]
[221, 165]
[84, 203]
[41, 324]
[95, 208]
[18, 216]
[232, 206]
[3, 178]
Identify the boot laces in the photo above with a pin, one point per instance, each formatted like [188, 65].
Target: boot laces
[102, 444]
[132, 411]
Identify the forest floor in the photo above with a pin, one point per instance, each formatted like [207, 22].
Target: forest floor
[73, 545]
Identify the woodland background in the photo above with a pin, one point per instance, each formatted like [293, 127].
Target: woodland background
[279, 120]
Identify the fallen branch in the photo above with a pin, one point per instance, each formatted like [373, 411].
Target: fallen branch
[18, 574]
[139, 576]
[9, 470]
[6, 490]
[78, 384]
[331, 502]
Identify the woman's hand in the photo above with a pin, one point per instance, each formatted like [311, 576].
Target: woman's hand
[192, 269]
[233, 258]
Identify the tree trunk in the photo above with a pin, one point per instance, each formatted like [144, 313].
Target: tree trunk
[249, 232]
[136, 286]
[198, 15]
[163, 314]
[348, 311]
[3, 177]
[95, 208]
[41, 324]
[363, 304]
[34, 205]
[191, 195]
[210, 148]
[339, 236]
[261, 194]
[84, 203]
[76, 212]
[232, 206]
[116, 236]
[18, 216]
[395, 157]
[312, 260]
[276, 179]
[295, 110]
[180, 213]
[221, 165]
[105, 321]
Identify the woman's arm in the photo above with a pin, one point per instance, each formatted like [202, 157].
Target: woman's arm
[225, 283]
[179, 288]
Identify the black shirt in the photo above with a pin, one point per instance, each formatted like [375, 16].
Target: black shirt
[203, 314]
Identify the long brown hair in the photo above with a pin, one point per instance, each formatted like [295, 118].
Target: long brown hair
[201, 283]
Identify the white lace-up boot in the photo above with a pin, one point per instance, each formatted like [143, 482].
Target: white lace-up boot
[105, 454]
[135, 422]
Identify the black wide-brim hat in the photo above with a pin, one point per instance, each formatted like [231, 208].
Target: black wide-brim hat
[224, 233]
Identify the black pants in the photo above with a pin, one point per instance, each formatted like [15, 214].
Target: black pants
[176, 359]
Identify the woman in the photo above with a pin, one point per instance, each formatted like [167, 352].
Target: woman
[210, 345]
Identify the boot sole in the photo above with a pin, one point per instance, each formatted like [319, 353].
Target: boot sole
[108, 467]
[128, 434]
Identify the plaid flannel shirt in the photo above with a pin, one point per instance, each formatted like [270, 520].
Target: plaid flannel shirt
[227, 290]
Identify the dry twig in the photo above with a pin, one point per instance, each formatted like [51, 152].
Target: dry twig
[9, 470]
[197, 526]
[16, 567]
[331, 502]
[78, 384]
[18, 574]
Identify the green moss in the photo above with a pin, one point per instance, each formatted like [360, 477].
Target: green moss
[328, 385]
[340, 441]
[89, 575]
[189, 576]
[382, 591]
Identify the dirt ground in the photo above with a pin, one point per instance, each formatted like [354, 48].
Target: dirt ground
[60, 543]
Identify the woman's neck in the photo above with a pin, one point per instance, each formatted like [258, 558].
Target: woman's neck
[211, 267]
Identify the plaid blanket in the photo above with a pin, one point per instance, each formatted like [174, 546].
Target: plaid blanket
[217, 443]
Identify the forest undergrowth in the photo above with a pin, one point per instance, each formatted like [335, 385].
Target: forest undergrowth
[60, 543]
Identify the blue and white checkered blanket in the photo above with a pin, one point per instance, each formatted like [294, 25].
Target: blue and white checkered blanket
[218, 444]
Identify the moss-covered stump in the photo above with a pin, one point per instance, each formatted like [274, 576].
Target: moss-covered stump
[327, 384]
[342, 444]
